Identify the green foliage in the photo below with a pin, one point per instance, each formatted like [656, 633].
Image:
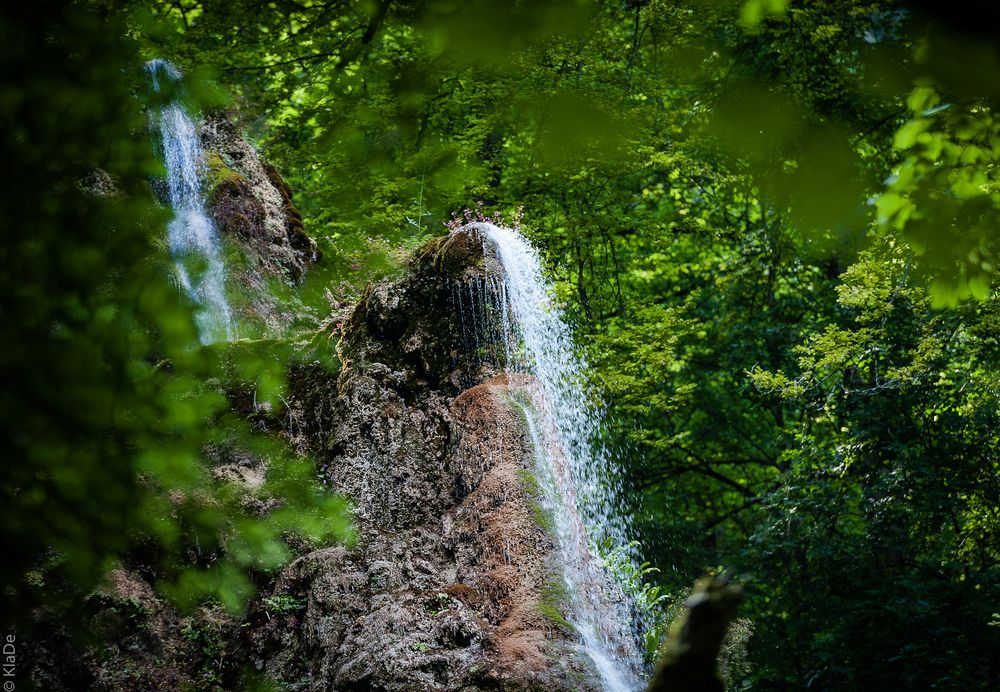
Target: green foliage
[73, 302]
[111, 408]
[285, 603]
[943, 196]
[208, 650]
[555, 601]
[755, 10]
[652, 602]
[734, 655]
[872, 518]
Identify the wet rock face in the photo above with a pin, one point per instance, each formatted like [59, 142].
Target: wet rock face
[252, 208]
[451, 585]
[444, 592]
[413, 328]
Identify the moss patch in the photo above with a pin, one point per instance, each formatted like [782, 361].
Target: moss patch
[533, 489]
[554, 598]
[294, 227]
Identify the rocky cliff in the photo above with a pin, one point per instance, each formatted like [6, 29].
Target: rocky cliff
[251, 205]
[451, 583]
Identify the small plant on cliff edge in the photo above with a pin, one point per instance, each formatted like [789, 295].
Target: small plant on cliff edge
[650, 600]
[284, 604]
[208, 650]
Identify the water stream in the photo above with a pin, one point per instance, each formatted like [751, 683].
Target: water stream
[525, 333]
[193, 239]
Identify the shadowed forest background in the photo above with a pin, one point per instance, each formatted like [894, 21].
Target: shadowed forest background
[773, 226]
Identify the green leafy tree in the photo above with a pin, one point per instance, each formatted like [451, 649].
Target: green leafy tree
[110, 405]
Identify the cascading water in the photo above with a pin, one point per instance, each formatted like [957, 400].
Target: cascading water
[525, 333]
[194, 242]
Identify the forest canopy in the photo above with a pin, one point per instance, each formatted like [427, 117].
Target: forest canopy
[773, 226]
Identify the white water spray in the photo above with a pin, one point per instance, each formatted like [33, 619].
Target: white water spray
[194, 242]
[582, 479]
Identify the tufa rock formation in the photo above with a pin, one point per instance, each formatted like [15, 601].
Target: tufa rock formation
[251, 205]
[451, 585]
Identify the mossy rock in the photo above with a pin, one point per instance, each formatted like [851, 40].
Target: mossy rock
[278, 182]
[228, 184]
[453, 254]
[294, 227]
[466, 594]
[552, 614]
[217, 170]
[233, 206]
[298, 238]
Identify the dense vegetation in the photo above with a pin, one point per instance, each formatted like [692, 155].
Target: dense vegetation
[774, 227]
[110, 406]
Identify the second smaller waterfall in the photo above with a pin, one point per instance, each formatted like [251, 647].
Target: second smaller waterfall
[194, 241]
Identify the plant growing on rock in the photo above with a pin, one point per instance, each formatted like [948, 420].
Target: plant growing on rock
[650, 599]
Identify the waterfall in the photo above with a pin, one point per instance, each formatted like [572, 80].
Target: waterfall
[584, 491]
[193, 240]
